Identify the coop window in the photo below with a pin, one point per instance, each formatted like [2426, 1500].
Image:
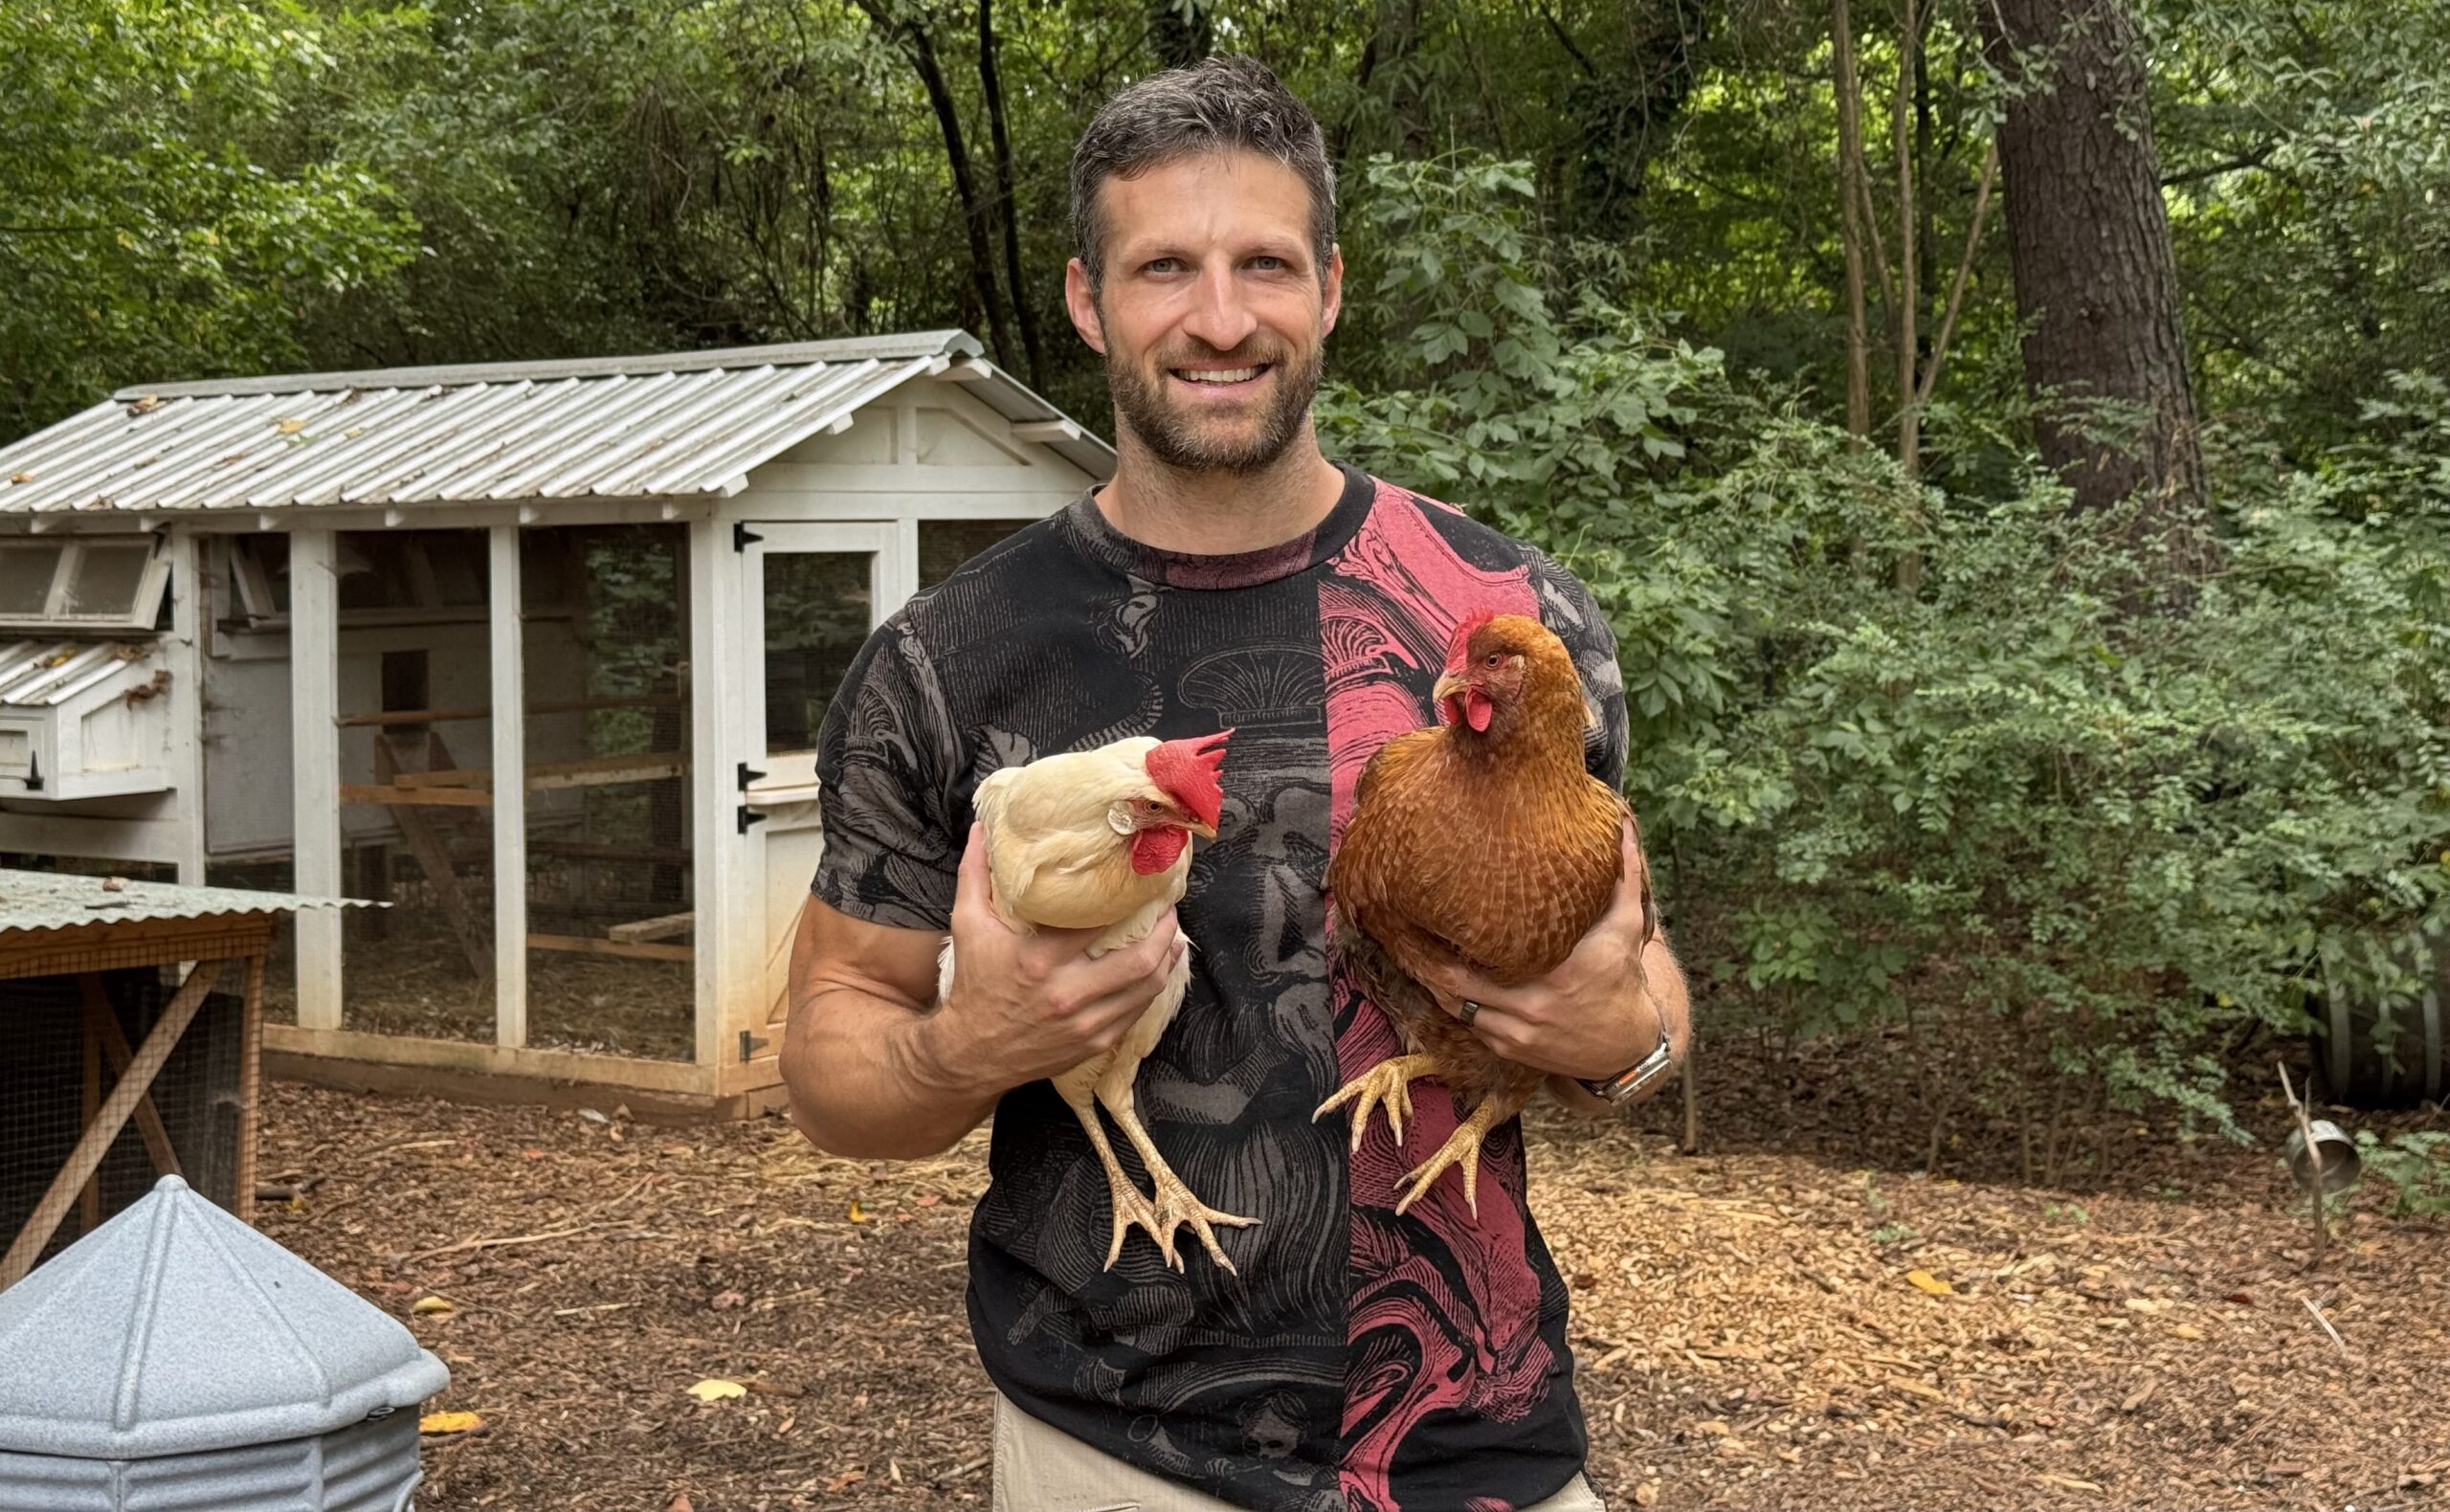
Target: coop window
[388, 577]
[108, 583]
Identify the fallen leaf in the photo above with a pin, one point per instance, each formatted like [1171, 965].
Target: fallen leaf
[2186, 1331]
[930, 1199]
[2068, 1482]
[592, 1117]
[1925, 1281]
[715, 1389]
[426, 1305]
[858, 1214]
[2242, 1299]
[289, 427]
[846, 1480]
[21, 477]
[2138, 1398]
[723, 1302]
[1584, 1281]
[1646, 1495]
[1898, 1382]
[449, 1423]
[533, 1153]
[681, 1503]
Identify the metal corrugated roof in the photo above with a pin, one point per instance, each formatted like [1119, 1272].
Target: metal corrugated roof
[38, 675]
[672, 426]
[31, 900]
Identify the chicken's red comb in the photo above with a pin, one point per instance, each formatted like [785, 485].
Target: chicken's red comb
[1187, 769]
[1460, 647]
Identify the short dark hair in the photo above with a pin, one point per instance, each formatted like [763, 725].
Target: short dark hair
[1216, 104]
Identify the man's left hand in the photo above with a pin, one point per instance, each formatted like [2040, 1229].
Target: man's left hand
[1600, 1011]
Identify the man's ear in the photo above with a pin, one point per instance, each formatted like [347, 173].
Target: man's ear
[1081, 299]
[1333, 289]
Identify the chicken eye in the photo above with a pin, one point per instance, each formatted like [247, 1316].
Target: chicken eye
[1493, 658]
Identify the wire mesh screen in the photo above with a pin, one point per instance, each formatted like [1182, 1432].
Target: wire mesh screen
[57, 1062]
[611, 914]
[415, 738]
[269, 875]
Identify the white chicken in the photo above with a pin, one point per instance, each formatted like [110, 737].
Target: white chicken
[1101, 839]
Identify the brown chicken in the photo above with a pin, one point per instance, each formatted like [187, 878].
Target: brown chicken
[1483, 841]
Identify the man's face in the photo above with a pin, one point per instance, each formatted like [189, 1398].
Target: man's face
[1212, 317]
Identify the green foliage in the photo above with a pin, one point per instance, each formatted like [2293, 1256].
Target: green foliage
[2416, 1167]
[1910, 744]
[153, 222]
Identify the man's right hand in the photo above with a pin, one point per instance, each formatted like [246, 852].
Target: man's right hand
[1025, 1006]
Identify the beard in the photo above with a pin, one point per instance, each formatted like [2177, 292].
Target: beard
[1178, 438]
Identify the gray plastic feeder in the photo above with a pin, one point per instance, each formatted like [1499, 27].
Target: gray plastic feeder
[175, 1358]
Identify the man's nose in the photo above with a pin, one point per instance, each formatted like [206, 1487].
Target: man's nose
[1219, 315]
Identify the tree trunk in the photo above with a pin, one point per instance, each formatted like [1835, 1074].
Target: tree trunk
[1851, 196]
[1909, 298]
[1007, 204]
[920, 49]
[2097, 286]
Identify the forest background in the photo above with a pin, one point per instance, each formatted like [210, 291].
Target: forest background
[2007, 434]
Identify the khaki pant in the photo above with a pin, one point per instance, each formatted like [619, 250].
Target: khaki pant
[1040, 1468]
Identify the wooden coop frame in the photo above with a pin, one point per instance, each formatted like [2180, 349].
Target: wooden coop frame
[844, 448]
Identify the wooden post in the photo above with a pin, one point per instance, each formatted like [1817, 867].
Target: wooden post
[189, 601]
[89, 1200]
[96, 1141]
[251, 1054]
[722, 673]
[315, 771]
[510, 792]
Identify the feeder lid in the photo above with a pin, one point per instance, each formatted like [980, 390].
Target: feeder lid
[174, 1329]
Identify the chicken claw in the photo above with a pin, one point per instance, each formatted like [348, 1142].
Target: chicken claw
[1461, 1147]
[1176, 1207]
[1387, 1084]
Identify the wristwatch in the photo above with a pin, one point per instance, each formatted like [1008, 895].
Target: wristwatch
[1627, 1084]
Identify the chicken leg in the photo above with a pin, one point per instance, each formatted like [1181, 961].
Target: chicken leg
[1464, 1147]
[1387, 1084]
[1128, 1205]
[1175, 1206]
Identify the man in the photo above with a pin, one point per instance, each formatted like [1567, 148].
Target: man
[1229, 576]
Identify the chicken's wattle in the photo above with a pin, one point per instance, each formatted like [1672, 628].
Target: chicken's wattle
[1472, 707]
[1155, 850]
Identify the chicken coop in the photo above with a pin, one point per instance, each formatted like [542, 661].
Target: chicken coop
[296, 632]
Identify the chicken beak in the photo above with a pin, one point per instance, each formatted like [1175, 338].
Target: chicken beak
[1204, 830]
[1447, 686]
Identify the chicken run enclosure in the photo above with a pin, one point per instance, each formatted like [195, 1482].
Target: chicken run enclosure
[259, 632]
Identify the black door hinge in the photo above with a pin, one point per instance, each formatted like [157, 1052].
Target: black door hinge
[749, 816]
[748, 775]
[750, 1045]
[741, 535]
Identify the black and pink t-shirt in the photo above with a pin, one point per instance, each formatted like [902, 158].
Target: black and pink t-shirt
[1360, 1358]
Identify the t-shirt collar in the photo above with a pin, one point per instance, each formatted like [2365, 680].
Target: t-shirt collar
[1093, 533]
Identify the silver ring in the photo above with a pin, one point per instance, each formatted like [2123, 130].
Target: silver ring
[1470, 1010]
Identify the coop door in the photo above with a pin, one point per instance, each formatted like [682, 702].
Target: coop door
[814, 592]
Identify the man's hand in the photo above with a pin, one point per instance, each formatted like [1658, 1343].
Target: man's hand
[1600, 1011]
[1026, 1006]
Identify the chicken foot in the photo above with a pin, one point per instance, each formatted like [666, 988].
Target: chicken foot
[1129, 1207]
[1387, 1084]
[1175, 1204]
[1463, 1148]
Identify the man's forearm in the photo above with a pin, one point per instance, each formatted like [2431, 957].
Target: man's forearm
[876, 1079]
[1662, 1004]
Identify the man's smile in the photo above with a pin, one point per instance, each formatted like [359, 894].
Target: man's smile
[1223, 380]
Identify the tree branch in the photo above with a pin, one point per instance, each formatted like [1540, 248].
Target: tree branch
[1963, 274]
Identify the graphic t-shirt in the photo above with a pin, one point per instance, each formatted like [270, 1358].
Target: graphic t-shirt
[1360, 1358]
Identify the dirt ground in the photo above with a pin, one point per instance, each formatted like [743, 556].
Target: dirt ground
[1795, 1317]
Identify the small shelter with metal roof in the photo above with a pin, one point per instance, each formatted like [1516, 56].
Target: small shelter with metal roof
[257, 631]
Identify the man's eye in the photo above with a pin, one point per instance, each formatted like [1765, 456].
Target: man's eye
[1164, 264]
[1271, 264]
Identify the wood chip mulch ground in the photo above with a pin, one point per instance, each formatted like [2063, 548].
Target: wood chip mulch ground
[1757, 1326]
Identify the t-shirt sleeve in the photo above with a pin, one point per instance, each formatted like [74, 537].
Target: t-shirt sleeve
[1567, 608]
[885, 761]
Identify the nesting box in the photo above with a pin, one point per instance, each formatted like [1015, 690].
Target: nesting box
[175, 1358]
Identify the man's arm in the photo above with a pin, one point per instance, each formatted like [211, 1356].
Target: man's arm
[877, 1070]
